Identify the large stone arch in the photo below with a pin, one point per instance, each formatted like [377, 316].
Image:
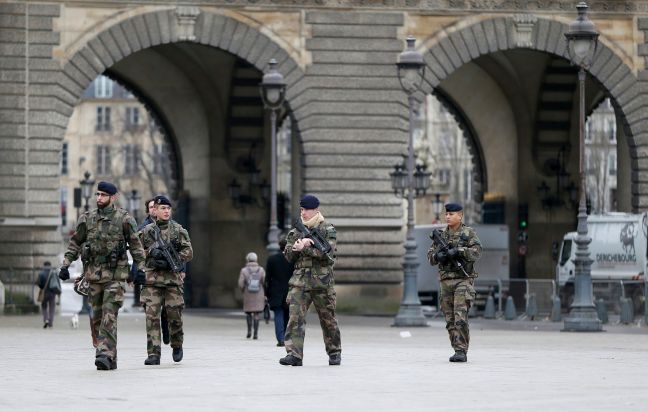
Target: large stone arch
[140, 37]
[451, 48]
[142, 28]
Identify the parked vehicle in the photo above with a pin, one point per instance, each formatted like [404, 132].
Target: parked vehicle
[619, 256]
[491, 267]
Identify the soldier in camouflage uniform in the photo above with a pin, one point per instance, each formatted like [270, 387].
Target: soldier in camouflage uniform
[163, 286]
[312, 282]
[102, 237]
[456, 287]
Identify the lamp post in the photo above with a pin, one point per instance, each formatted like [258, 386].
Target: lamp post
[273, 93]
[86, 189]
[134, 202]
[437, 207]
[582, 41]
[411, 69]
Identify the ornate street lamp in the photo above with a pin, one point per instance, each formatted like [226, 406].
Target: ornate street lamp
[86, 189]
[582, 41]
[438, 207]
[134, 202]
[411, 70]
[273, 93]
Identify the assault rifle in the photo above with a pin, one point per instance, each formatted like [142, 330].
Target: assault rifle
[319, 242]
[443, 246]
[169, 252]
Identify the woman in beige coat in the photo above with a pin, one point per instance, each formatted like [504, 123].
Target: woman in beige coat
[251, 282]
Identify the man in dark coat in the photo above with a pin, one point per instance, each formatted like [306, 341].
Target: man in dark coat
[138, 281]
[278, 273]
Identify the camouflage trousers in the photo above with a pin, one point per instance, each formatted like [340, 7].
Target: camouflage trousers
[456, 297]
[105, 300]
[299, 301]
[153, 298]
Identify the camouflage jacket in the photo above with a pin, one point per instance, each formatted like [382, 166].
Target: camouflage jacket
[101, 238]
[313, 269]
[178, 236]
[465, 239]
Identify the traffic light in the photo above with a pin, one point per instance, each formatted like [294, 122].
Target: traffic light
[523, 216]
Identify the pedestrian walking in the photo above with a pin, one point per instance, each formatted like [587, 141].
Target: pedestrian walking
[50, 287]
[101, 238]
[149, 207]
[278, 273]
[455, 252]
[251, 281]
[312, 282]
[168, 247]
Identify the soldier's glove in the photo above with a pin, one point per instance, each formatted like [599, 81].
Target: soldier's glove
[160, 264]
[140, 277]
[454, 253]
[441, 256]
[156, 254]
[64, 273]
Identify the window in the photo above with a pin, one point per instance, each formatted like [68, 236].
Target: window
[103, 87]
[131, 159]
[159, 156]
[444, 176]
[103, 118]
[611, 130]
[64, 160]
[132, 117]
[103, 160]
[612, 164]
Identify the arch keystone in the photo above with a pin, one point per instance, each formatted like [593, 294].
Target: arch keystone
[186, 17]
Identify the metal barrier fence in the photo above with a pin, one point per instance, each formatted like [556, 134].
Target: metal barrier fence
[20, 291]
[534, 297]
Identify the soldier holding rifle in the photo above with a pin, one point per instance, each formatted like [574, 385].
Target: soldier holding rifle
[455, 250]
[101, 238]
[310, 245]
[167, 247]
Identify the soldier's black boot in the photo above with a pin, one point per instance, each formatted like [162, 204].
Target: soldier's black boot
[177, 354]
[290, 360]
[459, 356]
[248, 319]
[152, 360]
[256, 329]
[103, 363]
[335, 359]
[164, 324]
[113, 364]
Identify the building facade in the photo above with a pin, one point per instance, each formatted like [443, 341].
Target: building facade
[197, 65]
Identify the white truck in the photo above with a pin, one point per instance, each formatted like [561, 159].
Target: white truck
[618, 251]
[491, 267]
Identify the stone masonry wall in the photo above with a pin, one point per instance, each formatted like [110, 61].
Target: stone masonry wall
[33, 117]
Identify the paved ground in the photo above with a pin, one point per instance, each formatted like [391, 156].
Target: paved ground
[513, 366]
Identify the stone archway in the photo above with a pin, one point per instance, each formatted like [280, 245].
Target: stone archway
[186, 46]
[467, 40]
[181, 24]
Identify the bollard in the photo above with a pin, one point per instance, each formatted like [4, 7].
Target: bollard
[556, 310]
[472, 312]
[601, 310]
[627, 311]
[489, 310]
[532, 306]
[510, 312]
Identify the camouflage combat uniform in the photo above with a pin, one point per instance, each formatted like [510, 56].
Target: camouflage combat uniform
[164, 287]
[312, 282]
[102, 237]
[457, 290]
